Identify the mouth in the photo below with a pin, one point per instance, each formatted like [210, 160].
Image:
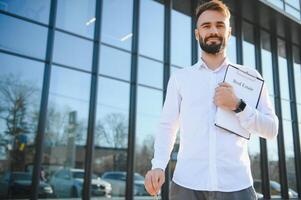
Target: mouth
[213, 40]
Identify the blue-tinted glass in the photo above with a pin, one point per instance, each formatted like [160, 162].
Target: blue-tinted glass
[231, 49]
[294, 3]
[116, 23]
[72, 51]
[283, 76]
[150, 73]
[22, 37]
[111, 134]
[292, 11]
[277, 3]
[20, 96]
[267, 70]
[149, 107]
[289, 155]
[151, 29]
[231, 46]
[286, 109]
[266, 62]
[297, 76]
[173, 69]
[115, 63]
[112, 113]
[273, 161]
[66, 131]
[37, 10]
[248, 45]
[180, 39]
[76, 16]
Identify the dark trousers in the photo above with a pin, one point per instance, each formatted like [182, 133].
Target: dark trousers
[178, 192]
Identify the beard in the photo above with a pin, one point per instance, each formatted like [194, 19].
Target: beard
[213, 48]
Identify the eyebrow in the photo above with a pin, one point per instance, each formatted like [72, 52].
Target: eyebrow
[208, 23]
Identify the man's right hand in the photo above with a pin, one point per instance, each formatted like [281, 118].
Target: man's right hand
[153, 181]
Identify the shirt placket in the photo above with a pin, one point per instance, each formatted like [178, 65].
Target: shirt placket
[212, 136]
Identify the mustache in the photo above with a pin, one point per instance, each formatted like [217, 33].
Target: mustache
[213, 37]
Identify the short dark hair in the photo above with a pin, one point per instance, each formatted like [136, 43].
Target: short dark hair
[215, 5]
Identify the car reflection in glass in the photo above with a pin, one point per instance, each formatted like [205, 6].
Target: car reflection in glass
[68, 182]
[18, 185]
[118, 182]
[275, 189]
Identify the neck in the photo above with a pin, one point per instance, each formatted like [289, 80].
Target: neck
[213, 61]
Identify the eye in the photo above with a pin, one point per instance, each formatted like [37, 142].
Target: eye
[220, 25]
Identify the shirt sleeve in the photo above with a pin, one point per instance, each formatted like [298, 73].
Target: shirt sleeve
[168, 125]
[263, 120]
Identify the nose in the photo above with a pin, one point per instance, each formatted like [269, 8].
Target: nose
[213, 30]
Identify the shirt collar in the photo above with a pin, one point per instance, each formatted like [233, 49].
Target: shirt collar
[202, 65]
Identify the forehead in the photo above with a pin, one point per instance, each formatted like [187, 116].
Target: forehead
[212, 16]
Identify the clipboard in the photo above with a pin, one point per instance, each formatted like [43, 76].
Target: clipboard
[246, 86]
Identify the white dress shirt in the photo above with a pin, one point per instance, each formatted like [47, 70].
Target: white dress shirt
[209, 158]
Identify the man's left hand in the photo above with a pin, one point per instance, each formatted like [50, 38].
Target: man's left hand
[224, 97]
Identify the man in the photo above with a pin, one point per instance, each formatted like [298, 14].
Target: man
[212, 163]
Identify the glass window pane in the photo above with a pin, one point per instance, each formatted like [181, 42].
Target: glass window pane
[297, 73]
[20, 95]
[266, 61]
[117, 28]
[231, 49]
[290, 156]
[149, 107]
[293, 3]
[283, 74]
[277, 3]
[77, 16]
[292, 11]
[231, 46]
[33, 40]
[72, 51]
[111, 135]
[248, 45]
[147, 67]
[273, 160]
[151, 29]
[115, 63]
[180, 39]
[66, 131]
[112, 113]
[37, 10]
[286, 109]
[173, 69]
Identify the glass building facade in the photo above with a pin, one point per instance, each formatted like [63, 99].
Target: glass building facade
[82, 84]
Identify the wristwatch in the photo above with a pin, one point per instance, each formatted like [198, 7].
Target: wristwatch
[241, 106]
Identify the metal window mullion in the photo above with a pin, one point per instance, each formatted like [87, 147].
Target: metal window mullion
[280, 138]
[92, 104]
[39, 140]
[263, 145]
[166, 75]
[133, 103]
[194, 44]
[293, 106]
[239, 33]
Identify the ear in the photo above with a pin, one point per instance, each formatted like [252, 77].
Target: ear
[196, 34]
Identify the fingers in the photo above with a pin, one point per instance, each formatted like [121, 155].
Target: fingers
[149, 185]
[154, 180]
[225, 84]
